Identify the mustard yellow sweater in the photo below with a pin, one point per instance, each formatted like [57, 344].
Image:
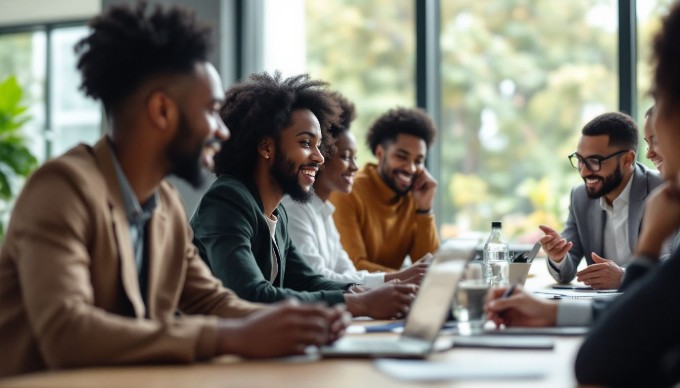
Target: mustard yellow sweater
[379, 228]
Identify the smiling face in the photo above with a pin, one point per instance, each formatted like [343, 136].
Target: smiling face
[200, 129]
[652, 145]
[400, 162]
[339, 170]
[610, 178]
[667, 133]
[297, 157]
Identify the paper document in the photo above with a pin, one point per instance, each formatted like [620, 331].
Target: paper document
[546, 331]
[446, 370]
[574, 294]
[504, 342]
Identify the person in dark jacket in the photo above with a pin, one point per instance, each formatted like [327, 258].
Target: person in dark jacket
[279, 130]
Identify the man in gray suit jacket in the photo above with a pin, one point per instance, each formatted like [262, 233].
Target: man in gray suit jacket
[606, 211]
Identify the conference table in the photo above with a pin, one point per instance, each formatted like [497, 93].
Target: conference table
[312, 371]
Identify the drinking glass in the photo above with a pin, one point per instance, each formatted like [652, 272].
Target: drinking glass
[468, 303]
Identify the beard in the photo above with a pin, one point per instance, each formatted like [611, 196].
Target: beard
[390, 180]
[186, 163]
[609, 183]
[286, 176]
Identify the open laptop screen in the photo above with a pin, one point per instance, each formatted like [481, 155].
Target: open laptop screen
[431, 307]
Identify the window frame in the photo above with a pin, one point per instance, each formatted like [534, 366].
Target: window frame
[48, 29]
[428, 64]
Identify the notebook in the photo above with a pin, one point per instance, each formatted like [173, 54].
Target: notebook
[428, 313]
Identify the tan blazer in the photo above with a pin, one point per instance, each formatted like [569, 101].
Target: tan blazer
[69, 293]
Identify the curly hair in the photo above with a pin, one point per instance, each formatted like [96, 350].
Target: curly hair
[620, 128]
[347, 115]
[260, 107]
[128, 45]
[410, 121]
[666, 60]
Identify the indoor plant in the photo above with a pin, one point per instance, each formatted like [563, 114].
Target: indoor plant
[16, 160]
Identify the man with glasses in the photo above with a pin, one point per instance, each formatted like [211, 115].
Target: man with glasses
[606, 211]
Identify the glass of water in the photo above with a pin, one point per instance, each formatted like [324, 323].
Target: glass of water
[468, 302]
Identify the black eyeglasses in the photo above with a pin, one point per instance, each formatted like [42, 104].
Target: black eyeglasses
[593, 163]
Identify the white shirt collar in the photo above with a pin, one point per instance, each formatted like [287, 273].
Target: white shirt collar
[622, 200]
[323, 207]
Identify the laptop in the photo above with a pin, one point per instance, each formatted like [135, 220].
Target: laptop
[428, 313]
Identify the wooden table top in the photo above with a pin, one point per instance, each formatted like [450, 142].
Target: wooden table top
[313, 372]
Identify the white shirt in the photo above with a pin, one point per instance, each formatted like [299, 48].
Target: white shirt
[316, 239]
[271, 223]
[572, 312]
[616, 246]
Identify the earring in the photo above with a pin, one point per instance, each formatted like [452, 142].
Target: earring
[266, 156]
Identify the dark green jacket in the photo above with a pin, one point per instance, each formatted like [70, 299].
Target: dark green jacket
[232, 236]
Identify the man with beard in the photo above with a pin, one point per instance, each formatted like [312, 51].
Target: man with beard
[311, 224]
[240, 226]
[635, 342]
[523, 309]
[97, 267]
[606, 212]
[388, 215]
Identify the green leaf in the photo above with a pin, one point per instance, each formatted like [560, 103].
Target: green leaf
[10, 94]
[16, 160]
[12, 112]
[5, 187]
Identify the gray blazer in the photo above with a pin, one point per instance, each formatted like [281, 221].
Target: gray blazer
[585, 225]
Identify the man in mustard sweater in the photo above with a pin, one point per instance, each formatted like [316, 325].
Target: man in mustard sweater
[388, 214]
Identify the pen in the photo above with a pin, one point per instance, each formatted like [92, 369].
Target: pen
[509, 291]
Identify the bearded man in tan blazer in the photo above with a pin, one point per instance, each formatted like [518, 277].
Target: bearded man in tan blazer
[97, 266]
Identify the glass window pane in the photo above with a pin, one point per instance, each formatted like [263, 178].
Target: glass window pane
[519, 80]
[649, 13]
[365, 49]
[75, 117]
[23, 55]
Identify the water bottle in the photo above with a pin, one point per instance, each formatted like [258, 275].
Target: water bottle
[496, 257]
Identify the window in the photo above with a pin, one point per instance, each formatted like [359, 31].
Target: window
[74, 118]
[649, 14]
[519, 80]
[364, 49]
[23, 54]
[61, 116]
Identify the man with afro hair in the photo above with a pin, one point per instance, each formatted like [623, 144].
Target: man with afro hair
[388, 215]
[279, 132]
[97, 267]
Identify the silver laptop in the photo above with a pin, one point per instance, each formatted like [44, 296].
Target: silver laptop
[428, 313]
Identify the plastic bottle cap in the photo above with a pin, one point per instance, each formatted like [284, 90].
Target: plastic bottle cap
[496, 224]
